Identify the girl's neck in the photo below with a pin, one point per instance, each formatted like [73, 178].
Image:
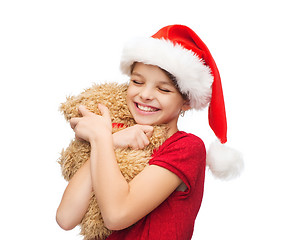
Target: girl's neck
[172, 131]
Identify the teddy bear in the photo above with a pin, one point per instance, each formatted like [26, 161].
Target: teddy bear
[130, 161]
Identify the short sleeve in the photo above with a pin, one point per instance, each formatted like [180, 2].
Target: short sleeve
[183, 154]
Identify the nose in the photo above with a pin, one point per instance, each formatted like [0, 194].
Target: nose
[146, 94]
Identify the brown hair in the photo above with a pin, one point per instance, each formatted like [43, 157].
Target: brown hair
[174, 80]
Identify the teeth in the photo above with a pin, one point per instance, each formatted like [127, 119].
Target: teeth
[146, 109]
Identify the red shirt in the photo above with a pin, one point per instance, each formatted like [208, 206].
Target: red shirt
[185, 155]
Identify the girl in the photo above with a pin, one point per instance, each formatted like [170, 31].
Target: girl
[170, 73]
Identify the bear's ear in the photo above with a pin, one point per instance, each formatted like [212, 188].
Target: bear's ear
[112, 95]
[70, 108]
[90, 98]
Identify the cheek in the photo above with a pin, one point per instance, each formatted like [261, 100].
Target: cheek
[129, 96]
[173, 102]
[127, 99]
[174, 105]
[131, 92]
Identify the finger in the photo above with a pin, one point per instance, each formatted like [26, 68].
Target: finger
[149, 134]
[140, 144]
[74, 122]
[148, 130]
[145, 140]
[135, 147]
[142, 141]
[83, 110]
[105, 112]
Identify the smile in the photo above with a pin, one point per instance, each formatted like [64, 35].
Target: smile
[146, 108]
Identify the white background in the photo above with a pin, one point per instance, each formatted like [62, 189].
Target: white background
[51, 49]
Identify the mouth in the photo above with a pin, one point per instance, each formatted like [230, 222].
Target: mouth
[146, 108]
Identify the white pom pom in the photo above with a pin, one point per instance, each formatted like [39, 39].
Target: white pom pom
[224, 162]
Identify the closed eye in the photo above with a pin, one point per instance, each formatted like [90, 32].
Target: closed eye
[136, 82]
[164, 90]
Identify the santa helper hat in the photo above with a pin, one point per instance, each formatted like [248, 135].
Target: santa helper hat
[180, 51]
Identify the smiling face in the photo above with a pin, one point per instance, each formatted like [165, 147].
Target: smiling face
[152, 97]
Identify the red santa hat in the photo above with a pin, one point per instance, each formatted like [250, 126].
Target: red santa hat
[180, 51]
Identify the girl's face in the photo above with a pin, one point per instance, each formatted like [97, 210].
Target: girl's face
[152, 97]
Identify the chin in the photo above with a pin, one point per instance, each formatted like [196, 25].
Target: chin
[145, 122]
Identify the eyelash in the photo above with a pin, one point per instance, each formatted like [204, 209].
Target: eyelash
[136, 82]
[140, 83]
[164, 90]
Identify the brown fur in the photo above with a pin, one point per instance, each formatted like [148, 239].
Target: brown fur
[131, 162]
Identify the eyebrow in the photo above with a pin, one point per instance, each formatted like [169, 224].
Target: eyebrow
[166, 83]
[137, 74]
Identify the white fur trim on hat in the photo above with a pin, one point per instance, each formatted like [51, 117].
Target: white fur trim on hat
[192, 75]
[223, 161]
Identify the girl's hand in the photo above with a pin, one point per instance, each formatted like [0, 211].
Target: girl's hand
[91, 126]
[136, 137]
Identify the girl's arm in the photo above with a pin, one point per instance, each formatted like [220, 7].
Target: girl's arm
[121, 203]
[75, 200]
[135, 137]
